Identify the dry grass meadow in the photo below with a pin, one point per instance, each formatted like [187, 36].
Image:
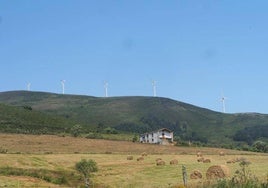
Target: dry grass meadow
[59, 154]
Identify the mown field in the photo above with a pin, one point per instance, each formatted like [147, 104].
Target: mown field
[48, 161]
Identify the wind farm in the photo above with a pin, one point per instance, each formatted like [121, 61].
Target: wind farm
[133, 94]
[223, 98]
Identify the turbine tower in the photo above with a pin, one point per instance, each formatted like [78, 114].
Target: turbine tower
[154, 88]
[106, 88]
[28, 86]
[63, 86]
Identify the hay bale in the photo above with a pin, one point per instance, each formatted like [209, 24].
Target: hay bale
[144, 154]
[240, 159]
[206, 161]
[221, 153]
[140, 159]
[196, 174]
[129, 157]
[199, 154]
[173, 162]
[217, 171]
[231, 161]
[160, 163]
[200, 159]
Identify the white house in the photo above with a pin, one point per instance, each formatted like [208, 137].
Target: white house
[162, 136]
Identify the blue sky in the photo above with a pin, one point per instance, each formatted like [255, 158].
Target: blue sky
[194, 50]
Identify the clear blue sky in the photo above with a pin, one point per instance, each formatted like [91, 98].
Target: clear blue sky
[194, 50]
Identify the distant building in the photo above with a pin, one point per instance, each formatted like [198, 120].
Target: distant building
[162, 136]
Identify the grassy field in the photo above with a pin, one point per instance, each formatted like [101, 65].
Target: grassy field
[47, 161]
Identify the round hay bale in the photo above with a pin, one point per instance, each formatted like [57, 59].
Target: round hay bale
[240, 159]
[160, 163]
[158, 159]
[230, 161]
[140, 159]
[196, 174]
[173, 162]
[200, 159]
[129, 157]
[199, 154]
[221, 153]
[144, 154]
[206, 161]
[217, 171]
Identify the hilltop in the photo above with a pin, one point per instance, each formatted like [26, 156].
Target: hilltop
[138, 114]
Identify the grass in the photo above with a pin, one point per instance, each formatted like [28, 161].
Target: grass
[116, 171]
[48, 144]
[21, 181]
[41, 161]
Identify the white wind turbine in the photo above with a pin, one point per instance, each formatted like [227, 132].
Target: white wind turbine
[28, 86]
[106, 88]
[223, 99]
[63, 86]
[154, 88]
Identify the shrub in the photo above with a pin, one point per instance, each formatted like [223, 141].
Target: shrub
[3, 150]
[242, 179]
[94, 136]
[135, 138]
[85, 167]
[57, 177]
[76, 130]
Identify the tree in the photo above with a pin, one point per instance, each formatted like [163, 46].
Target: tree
[76, 130]
[135, 138]
[110, 130]
[85, 167]
[260, 146]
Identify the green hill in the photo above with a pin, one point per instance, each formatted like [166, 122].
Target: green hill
[142, 114]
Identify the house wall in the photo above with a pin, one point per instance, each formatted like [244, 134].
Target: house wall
[168, 135]
[149, 138]
[156, 137]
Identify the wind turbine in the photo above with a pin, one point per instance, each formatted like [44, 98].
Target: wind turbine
[154, 88]
[28, 86]
[106, 88]
[63, 86]
[223, 99]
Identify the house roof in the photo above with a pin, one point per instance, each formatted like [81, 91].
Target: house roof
[162, 129]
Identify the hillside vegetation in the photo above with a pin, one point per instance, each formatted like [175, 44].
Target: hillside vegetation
[134, 115]
[25, 120]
